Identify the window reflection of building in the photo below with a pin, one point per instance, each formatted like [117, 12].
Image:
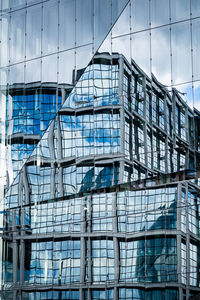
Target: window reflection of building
[30, 108]
[97, 139]
[75, 226]
[122, 236]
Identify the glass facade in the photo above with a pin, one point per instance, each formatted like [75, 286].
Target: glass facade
[99, 149]
[127, 236]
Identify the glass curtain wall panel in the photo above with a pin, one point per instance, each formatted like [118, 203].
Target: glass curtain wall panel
[97, 102]
[145, 248]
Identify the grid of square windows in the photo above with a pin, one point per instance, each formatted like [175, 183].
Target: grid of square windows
[102, 260]
[54, 262]
[150, 260]
[147, 210]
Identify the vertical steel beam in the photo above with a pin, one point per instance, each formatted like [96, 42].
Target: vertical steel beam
[187, 247]
[122, 118]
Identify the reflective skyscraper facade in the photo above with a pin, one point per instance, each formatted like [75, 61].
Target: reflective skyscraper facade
[99, 149]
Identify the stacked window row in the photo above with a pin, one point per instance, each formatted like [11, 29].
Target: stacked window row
[123, 293]
[135, 211]
[151, 147]
[150, 209]
[59, 262]
[155, 105]
[68, 180]
[90, 134]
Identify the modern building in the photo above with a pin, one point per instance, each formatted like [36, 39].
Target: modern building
[100, 161]
[126, 242]
[73, 229]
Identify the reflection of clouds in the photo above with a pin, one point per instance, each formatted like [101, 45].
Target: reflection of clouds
[197, 95]
[139, 14]
[33, 31]
[37, 31]
[190, 93]
[161, 65]
[180, 9]
[171, 57]
[159, 12]
[141, 50]
[181, 53]
[196, 47]
[16, 74]
[140, 47]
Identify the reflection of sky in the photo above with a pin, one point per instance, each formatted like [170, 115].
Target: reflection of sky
[97, 86]
[99, 131]
[32, 116]
[166, 50]
[197, 95]
[162, 48]
[141, 47]
[190, 94]
[26, 27]
[20, 46]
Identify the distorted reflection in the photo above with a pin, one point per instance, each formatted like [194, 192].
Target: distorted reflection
[77, 132]
[83, 147]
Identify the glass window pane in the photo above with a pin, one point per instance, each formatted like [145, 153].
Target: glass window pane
[17, 36]
[123, 24]
[17, 4]
[50, 27]
[84, 30]
[101, 12]
[66, 69]
[16, 74]
[67, 24]
[195, 8]
[83, 56]
[5, 5]
[4, 47]
[180, 10]
[159, 12]
[109, 11]
[181, 53]
[49, 68]
[141, 50]
[122, 45]
[196, 48]
[33, 31]
[33, 71]
[161, 61]
[139, 15]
